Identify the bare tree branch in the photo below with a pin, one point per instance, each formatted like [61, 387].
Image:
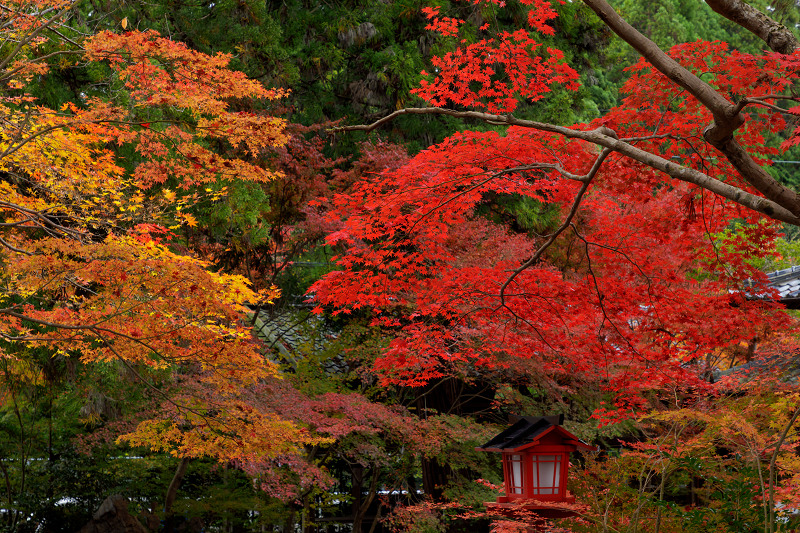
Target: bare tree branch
[777, 36]
[585, 182]
[607, 138]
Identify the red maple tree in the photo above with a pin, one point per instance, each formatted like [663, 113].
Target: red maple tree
[631, 285]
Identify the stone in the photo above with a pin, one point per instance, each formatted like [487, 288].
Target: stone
[113, 517]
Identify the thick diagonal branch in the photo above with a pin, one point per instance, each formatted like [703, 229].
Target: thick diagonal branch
[727, 116]
[777, 36]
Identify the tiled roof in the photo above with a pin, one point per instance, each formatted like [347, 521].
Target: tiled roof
[291, 335]
[786, 281]
[530, 429]
[523, 431]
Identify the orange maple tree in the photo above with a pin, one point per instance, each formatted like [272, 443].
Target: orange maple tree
[87, 267]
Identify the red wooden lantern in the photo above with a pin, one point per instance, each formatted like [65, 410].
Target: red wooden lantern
[536, 460]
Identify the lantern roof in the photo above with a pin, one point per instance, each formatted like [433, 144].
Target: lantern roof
[528, 431]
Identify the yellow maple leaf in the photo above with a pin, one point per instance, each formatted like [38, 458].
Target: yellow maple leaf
[189, 220]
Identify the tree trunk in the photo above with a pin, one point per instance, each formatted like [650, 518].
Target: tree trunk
[360, 510]
[377, 519]
[172, 490]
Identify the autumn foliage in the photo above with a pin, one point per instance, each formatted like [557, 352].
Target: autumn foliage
[625, 264]
[88, 267]
[628, 283]
[607, 268]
